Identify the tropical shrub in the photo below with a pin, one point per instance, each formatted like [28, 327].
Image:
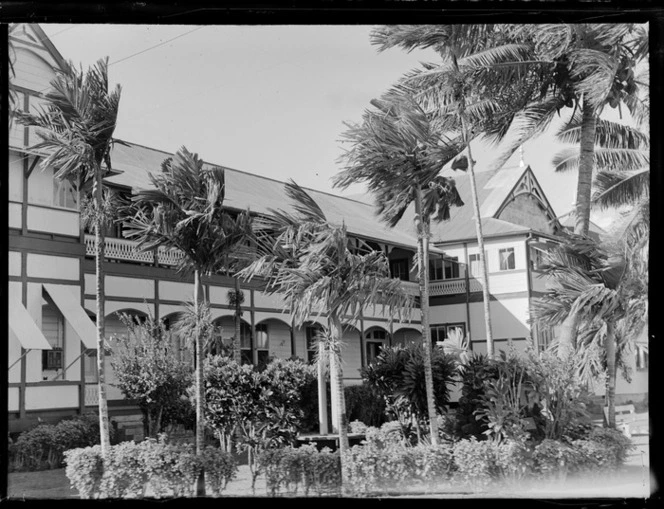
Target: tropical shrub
[260, 408]
[287, 468]
[557, 394]
[149, 372]
[475, 372]
[152, 467]
[43, 446]
[397, 375]
[505, 399]
[364, 403]
[475, 462]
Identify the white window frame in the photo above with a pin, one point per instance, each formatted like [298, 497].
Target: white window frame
[509, 251]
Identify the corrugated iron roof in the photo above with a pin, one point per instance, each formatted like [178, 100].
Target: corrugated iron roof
[260, 194]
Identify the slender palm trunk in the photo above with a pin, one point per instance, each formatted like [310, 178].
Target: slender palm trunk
[101, 358]
[237, 343]
[567, 336]
[586, 165]
[200, 389]
[423, 281]
[480, 242]
[337, 381]
[610, 347]
[322, 389]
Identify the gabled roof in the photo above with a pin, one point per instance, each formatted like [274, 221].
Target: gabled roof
[494, 189]
[259, 194]
[38, 36]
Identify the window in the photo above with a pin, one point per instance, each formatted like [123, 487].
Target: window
[641, 357]
[65, 194]
[506, 258]
[536, 258]
[53, 327]
[312, 332]
[399, 269]
[245, 343]
[475, 264]
[374, 342]
[440, 332]
[262, 344]
[443, 269]
[90, 366]
[544, 337]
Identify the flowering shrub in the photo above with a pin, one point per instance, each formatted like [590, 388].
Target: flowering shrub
[131, 469]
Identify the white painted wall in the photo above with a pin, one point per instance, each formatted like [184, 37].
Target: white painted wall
[33, 68]
[279, 339]
[53, 267]
[449, 313]
[351, 352]
[40, 187]
[54, 220]
[12, 399]
[15, 177]
[14, 263]
[116, 286]
[219, 295]
[14, 346]
[15, 220]
[171, 290]
[264, 300]
[34, 307]
[508, 318]
[51, 396]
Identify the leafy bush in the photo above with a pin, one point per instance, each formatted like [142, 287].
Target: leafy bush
[475, 462]
[262, 408]
[388, 465]
[614, 441]
[475, 372]
[149, 372]
[287, 468]
[131, 469]
[555, 459]
[42, 447]
[398, 375]
[365, 404]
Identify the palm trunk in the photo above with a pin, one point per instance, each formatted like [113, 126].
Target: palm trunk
[480, 242]
[586, 164]
[200, 389]
[237, 344]
[337, 382]
[101, 358]
[567, 336]
[423, 280]
[610, 347]
[322, 390]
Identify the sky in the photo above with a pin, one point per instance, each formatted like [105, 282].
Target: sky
[269, 100]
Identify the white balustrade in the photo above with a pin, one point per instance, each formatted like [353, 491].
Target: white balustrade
[119, 249]
[447, 287]
[91, 395]
[168, 256]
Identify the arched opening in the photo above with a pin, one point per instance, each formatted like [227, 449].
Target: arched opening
[312, 332]
[406, 335]
[375, 339]
[222, 341]
[273, 339]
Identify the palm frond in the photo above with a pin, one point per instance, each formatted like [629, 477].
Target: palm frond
[617, 189]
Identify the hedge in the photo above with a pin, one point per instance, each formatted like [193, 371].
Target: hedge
[151, 467]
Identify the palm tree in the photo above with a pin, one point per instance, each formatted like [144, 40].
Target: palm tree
[76, 130]
[459, 93]
[308, 262]
[621, 156]
[398, 152]
[235, 299]
[522, 77]
[592, 282]
[185, 210]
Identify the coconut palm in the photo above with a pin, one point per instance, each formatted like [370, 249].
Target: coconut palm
[521, 77]
[185, 210]
[476, 89]
[621, 156]
[398, 152]
[308, 262]
[76, 130]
